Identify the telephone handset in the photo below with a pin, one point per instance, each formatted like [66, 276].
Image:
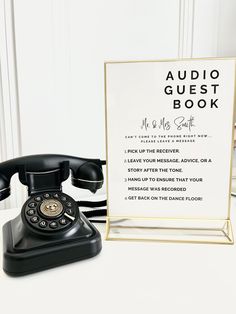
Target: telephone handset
[51, 230]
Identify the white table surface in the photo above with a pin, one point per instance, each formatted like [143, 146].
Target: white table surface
[130, 277]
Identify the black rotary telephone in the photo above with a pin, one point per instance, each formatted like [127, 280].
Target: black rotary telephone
[51, 230]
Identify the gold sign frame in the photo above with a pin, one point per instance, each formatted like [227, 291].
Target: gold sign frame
[174, 229]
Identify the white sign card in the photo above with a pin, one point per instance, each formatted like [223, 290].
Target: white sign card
[169, 138]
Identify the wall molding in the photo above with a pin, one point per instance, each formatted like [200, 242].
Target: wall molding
[186, 28]
[10, 128]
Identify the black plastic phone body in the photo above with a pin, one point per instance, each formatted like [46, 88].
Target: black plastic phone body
[50, 231]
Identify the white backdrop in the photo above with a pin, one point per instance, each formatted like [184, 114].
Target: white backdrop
[52, 54]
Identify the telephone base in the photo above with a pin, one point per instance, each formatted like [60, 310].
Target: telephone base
[44, 254]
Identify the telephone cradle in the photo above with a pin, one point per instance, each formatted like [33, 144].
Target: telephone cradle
[50, 230]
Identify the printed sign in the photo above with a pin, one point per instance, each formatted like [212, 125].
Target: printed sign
[169, 138]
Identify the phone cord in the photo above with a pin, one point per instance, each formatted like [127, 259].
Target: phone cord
[94, 212]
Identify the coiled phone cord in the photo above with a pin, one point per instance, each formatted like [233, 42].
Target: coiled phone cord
[94, 212]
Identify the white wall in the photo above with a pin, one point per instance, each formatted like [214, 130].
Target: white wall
[56, 89]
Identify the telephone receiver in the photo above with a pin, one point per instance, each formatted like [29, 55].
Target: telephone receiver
[51, 230]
